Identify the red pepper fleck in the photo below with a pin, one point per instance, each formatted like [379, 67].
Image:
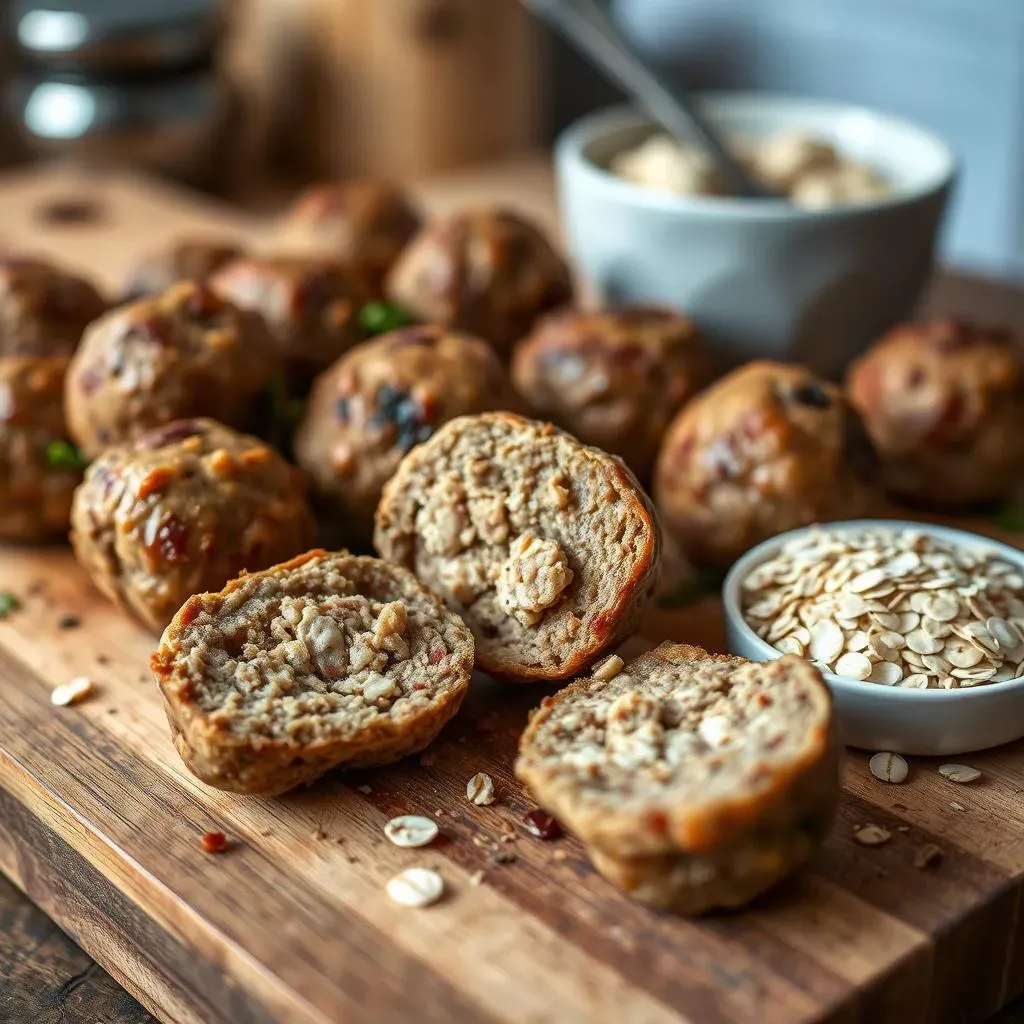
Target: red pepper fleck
[540, 824]
[657, 821]
[214, 842]
[436, 656]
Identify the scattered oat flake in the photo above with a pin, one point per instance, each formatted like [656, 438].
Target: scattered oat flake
[559, 855]
[214, 842]
[902, 828]
[318, 834]
[959, 772]
[872, 835]
[71, 693]
[364, 789]
[416, 887]
[927, 856]
[956, 806]
[411, 830]
[888, 767]
[476, 878]
[609, 668]
[480, 789]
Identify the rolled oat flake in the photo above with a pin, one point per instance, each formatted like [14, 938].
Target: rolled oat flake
[416, 887]
[411, 830]
[959, 772]
[888, 767]
[480, 789]
[872, 835]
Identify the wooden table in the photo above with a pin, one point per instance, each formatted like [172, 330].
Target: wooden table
[44, 977]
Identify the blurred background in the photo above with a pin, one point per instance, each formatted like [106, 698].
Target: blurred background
[249, 98]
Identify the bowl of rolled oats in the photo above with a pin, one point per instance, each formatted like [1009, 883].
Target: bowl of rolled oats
[918, 629]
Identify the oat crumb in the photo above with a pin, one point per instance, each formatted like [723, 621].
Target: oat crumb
[364, 789]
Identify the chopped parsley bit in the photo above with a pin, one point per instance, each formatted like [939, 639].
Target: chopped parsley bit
[703, 583]
[64, 455]
[1010, 518]
[380, 317]
[8, 603]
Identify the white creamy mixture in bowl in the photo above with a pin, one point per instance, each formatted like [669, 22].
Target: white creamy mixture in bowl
[918, 629]
[812, 172]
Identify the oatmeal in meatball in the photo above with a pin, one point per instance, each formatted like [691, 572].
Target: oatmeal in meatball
[187, 259]
[43, 310]
[489, 272]
[365, 223]
[614, 379]
[183, 509]
[39, 468]
[766, 449]
[381, 399]
[186, 352]
[310, 305]
[944, 404]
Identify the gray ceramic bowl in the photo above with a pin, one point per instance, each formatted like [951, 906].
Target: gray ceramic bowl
[763, 279]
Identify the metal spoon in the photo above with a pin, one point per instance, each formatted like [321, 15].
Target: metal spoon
[586, 25]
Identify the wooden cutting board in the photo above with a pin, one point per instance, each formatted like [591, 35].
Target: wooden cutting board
[100, 824]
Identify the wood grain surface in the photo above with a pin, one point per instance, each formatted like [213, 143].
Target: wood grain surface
[101, 825]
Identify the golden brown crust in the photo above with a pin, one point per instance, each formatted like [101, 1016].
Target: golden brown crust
[766, 449]
[248, 761]
[485, 271]
[614, 379]
[942, 403]
[675, 842]
[35, 490]
[548, 548]
[380, 400]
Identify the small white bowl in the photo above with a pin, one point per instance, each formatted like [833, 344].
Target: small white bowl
[877, 717]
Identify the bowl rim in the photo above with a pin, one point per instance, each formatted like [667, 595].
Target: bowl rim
[856, 687]
[571, 145]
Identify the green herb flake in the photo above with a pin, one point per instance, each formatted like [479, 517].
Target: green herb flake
[380, 317]
[8, 603]
[703, 583]
[1010, 518]
[64, 455]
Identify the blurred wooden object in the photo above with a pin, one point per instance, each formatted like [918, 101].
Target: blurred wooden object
[407, 87]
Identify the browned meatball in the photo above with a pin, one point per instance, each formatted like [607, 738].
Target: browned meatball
[187, 259]
[381, 399]
[186, 352]
[614, 379]
[183, 509]
[944, 404]
[488, 272]
[43, 310]
[363, 223]
[39, 469]
[310, 305]
[764, 450]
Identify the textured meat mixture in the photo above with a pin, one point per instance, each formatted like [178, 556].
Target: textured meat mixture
[486, 271]
[43, 310]
[187, 259]
[39, 471]
[363, 222]
[183, 353]
[324, 650]
[310, 305]
[182, 510]
[613, 379]
[545, 547]
[766, 449]
[943, 403]
[383, 398]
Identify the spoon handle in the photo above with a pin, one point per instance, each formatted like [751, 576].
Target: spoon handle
[587, 25]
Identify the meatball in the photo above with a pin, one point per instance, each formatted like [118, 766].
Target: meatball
[43, 310]
[365, 223]
[942, 403]
[39, 468]
[381, 399]
[311, 307]
[613, 379]
[766, 449]
[488, 272]
[183, 353]
[183, 509]
[187, 259]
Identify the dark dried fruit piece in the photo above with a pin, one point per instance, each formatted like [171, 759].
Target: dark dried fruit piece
[172, 540]
[69, 622]
[400, 410]
[169, 434]
[542, 825]
[811, 395]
